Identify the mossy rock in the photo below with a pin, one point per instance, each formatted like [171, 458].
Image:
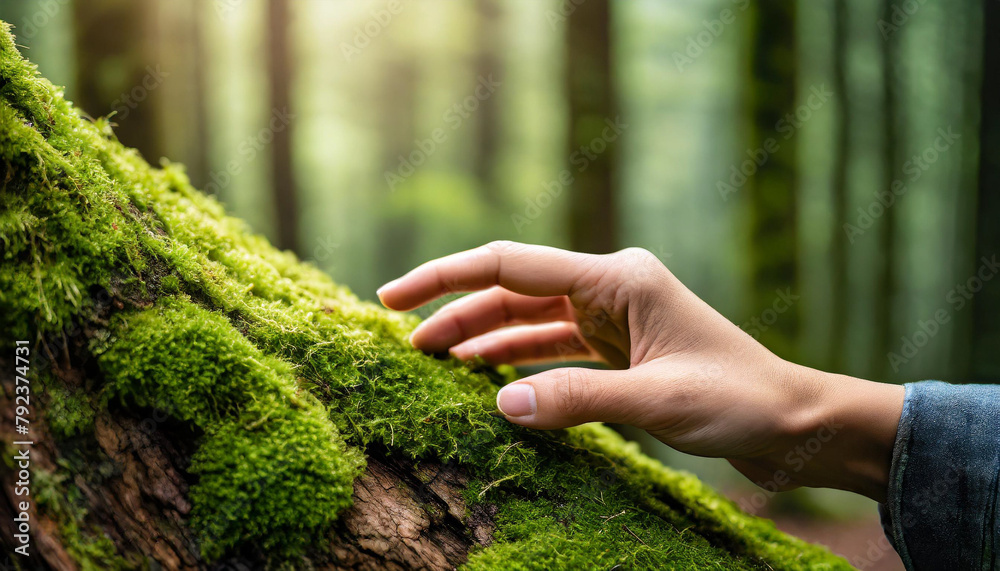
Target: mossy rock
[287, 382]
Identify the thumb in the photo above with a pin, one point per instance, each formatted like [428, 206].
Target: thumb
[569, 396]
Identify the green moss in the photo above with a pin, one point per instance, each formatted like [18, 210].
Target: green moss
[278, 485]
[273, 468]
[68, 412]
[289, 378]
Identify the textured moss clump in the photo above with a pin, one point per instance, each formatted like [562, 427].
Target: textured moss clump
[70, 412]
[288, 379]
[267, 443]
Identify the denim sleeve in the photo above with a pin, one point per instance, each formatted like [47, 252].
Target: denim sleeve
[941, 509]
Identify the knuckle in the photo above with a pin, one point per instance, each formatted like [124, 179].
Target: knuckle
[571, 392]
[641, 267]
[502, 247]
[638, 257]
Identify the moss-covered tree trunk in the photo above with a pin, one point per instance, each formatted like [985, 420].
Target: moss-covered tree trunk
[772, 180]
[199, 399]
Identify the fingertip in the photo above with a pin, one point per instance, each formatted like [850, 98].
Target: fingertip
[432, 335]
[414, 336]
[466, 350]
[385, 289]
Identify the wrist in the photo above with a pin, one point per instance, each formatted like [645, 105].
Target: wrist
[845, 432]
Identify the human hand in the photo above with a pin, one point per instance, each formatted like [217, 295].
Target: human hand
[681, 371]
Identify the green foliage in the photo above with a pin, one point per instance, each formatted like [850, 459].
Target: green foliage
[288, 377]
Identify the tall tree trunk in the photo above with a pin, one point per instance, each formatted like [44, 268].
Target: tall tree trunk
[200, 142]
[397, 85]
[117, 72]
[772, 190]
[986, 328]
[966, 39]
[842, 150]
[885, 274]
[180, 48]
[593, 216]
[280, 64]
[488, 64]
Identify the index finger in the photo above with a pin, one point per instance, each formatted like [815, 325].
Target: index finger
[521, 268]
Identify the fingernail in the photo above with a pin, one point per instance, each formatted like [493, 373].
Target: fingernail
[382, 289]
[517, 399]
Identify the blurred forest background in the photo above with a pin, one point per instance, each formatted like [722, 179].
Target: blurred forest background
[822, 172]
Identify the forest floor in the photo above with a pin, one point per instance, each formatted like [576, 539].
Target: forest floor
[860, 541]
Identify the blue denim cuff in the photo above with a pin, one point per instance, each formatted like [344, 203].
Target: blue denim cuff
[941, 509]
